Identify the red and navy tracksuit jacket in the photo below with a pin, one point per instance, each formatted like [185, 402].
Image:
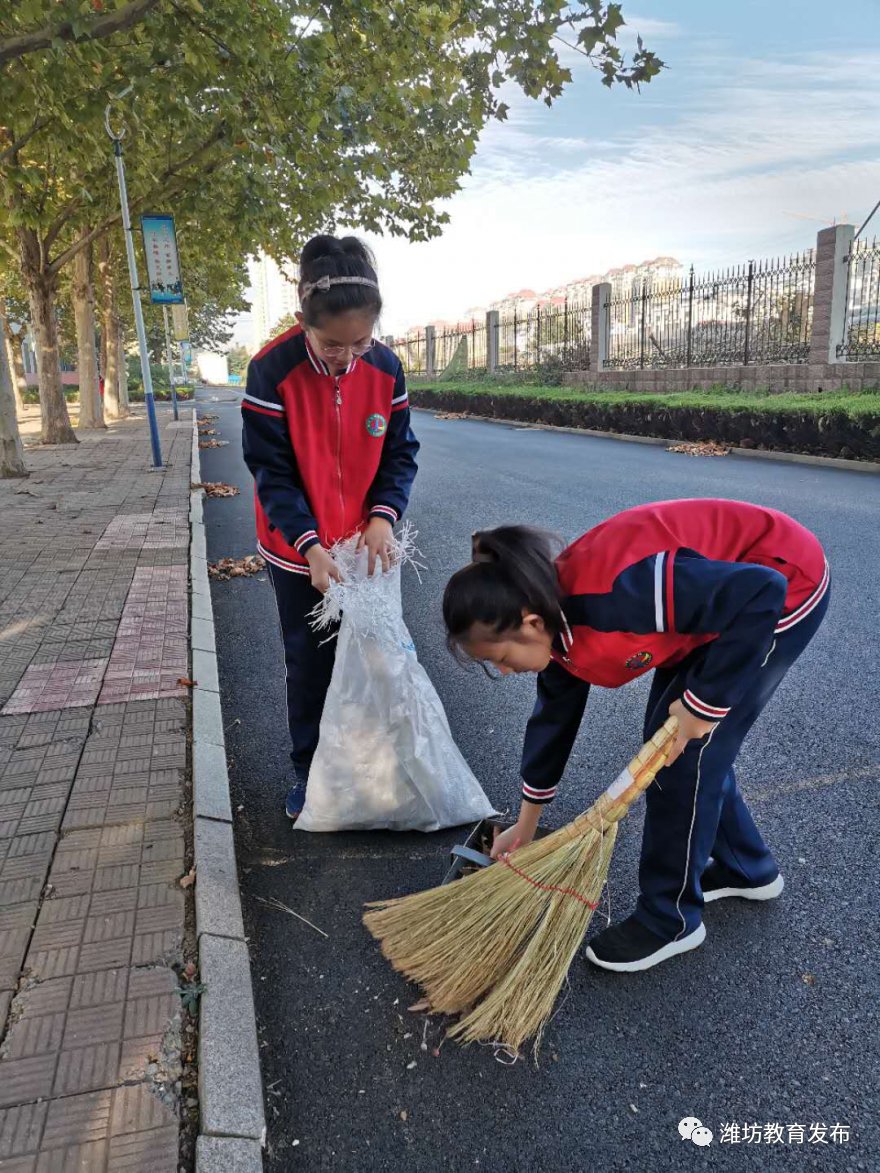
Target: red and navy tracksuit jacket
[327, 452]
[645, 588]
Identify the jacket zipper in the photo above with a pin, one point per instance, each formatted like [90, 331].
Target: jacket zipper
[339, 451]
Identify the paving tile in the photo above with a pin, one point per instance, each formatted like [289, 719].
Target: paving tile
[20, 1130]
[67, 684]
[144, 1152]
[22, 1080]
[83, 1068]
[78, 1118]
[90, 843]
[150, 652]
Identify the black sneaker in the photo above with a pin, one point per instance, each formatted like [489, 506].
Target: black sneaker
[630, 947]
[718, 882]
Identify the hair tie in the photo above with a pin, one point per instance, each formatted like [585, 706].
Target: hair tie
[322, 285]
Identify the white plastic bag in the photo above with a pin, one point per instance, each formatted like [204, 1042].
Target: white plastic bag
[385, 757]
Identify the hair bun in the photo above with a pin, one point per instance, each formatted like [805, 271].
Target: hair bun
[319, 247]
[480, 551]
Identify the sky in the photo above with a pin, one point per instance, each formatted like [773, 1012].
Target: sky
[764, 128]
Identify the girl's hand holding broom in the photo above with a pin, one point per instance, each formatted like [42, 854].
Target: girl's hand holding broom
[690, 728]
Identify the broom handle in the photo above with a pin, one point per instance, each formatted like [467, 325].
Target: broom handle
[633, 781]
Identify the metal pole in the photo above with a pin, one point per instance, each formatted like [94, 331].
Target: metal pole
[642, 325]
[135, 293]
[170, 360]
[690, 317]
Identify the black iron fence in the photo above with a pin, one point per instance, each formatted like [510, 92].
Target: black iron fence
[861, 334]
[759, 313]
[413, 353]
[756, 313]
[461, 349]
[547, 336]
[556, 336]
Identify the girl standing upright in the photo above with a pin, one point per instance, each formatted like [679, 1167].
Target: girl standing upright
[327, 437]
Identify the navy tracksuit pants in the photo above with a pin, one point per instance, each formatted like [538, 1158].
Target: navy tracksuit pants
[308, 657]
[694, 809]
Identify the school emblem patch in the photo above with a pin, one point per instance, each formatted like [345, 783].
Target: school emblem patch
[639, 660]
[377, 425]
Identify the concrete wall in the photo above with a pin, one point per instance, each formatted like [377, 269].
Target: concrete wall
[803, 377]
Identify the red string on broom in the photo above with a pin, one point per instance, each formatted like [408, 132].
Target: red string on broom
[505, 859]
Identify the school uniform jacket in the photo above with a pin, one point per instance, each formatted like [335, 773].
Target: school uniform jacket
[327, 452]
[645, 588]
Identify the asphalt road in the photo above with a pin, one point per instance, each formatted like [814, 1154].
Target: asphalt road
[773, 1021]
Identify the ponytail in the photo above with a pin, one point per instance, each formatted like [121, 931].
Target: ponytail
[512, 572]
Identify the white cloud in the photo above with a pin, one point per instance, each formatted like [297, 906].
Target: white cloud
[715, 183]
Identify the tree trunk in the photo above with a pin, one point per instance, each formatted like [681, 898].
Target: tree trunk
[11, 451]
[12, 347]
[91, 411]
[110, 331]
[55, 420]
[123, 372]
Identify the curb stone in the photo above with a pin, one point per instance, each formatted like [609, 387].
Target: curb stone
[233, 1123]
[223, 1154]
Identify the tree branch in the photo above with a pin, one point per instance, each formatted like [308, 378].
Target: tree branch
[15, 147]
[55, 231]
[162, 188]
[97, 29]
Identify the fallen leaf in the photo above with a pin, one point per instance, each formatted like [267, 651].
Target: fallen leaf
[219, 489]
[703, 448]
[189, 970]
[213, 443]
[420, 1007]
[186, 682]
[189, 879]
[411, 1065]
[808, 979]
[226, 568]
[404, 1115]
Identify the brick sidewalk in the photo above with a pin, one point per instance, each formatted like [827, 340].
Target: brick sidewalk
[93, 755]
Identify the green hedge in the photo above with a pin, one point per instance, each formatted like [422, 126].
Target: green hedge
[841, 424]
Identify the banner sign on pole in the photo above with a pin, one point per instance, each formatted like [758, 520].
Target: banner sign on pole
[180, 323]
[163, 265]
[186, 352]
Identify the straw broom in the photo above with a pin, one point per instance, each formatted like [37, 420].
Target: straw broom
[496, 945]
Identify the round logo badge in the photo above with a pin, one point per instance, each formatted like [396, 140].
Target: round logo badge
[376, 425]
[639, 660]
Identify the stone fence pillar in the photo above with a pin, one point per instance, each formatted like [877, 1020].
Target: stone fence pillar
[491, 341]
[601, 332]
[829, 293]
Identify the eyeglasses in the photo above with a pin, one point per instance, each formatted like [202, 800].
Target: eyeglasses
[336, 352]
